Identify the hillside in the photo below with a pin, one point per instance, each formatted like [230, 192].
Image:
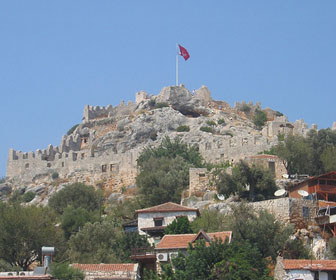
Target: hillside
[103, 149]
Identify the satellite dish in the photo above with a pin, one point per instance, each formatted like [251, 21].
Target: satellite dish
[280, 192]
[220, 196]
[303, 193]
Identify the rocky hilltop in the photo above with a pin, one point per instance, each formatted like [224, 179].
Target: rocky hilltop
[103, 149]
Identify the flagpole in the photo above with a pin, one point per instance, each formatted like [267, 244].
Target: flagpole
[176, 65]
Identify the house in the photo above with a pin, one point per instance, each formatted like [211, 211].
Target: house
[172, 244]
[125, 271]
[153, 220]
[305, 269]
[23, 276]
[322, 187]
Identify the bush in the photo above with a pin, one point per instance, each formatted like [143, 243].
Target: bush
[207, 129]
[72, 129]
[28, 196]
[259, 118]
[229, 133]
[281, 137]
[245, 108]
[54, 176]
[221, 121]
[161, 105]
[2, 180]
[151, 103]
[210, 123]
[65, 272]
[278, 114]
[183, 128]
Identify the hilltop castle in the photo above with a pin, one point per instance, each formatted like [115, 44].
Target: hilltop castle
[105, 146]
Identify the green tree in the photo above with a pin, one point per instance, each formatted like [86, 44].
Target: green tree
[24, 230]
[295, 249]
[63, 271]
[172, 149]
[218, 260]
[210, 221]
[260, 229]
[75, 218]
[332, 248]
[253, 183]
[76, 195]
[321, 141]
[297, 155]
[328, 159]
[180, 225]
[259, 118]
[241, 261]
[103, 243]
[162, 180]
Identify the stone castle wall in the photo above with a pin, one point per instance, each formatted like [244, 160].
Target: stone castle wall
[78, 158]
[117, 169]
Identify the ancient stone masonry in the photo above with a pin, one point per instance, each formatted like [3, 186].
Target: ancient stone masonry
[106, 145]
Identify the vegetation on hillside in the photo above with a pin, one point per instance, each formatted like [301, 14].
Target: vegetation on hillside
[312, 155]
[252, 183]
[164, 171]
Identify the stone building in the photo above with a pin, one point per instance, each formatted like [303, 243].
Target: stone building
[269, 162]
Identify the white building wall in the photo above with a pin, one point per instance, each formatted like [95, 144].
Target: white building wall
[323, 275]
[145, 220]
[300, 274]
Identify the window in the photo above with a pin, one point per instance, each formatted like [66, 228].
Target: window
[104, 168]
[62, 163]
[158, 221]
[305, 212]
[48, 164]
[27, 165]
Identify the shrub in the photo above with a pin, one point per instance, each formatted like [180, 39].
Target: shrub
[278, 114]
[210, 123]
[161, 105]
[28, 196]
[72, 129]
[153, 135]
[183, 128]
[221, 121]
[229, 133]
[259, 118]
[281, 137]
[245, 108]
[207, 129]
[151, 103]
[54, 176]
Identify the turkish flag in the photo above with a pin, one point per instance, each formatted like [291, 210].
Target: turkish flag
[184, 53]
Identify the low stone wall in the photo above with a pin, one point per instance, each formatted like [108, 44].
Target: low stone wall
[300, 212]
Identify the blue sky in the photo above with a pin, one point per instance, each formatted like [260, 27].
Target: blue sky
[57, 56]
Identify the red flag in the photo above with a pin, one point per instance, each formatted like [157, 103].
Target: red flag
[184, 53]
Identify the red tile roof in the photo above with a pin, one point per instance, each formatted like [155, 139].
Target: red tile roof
[181, 241]
[309, 264]
[167, 207]
[105, 267]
